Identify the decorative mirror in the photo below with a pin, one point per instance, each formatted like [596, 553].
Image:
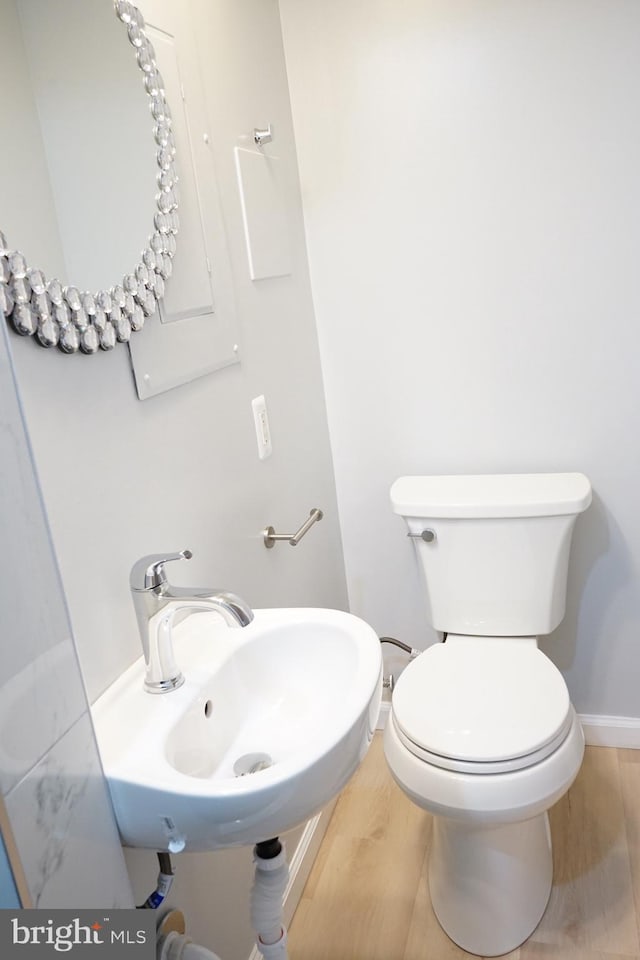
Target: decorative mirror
[83, 318]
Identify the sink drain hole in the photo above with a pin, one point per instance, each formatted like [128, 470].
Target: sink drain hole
[251, 763]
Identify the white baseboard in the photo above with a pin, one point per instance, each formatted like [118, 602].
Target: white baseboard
[301, 863]
[603, 731]
[599, 730]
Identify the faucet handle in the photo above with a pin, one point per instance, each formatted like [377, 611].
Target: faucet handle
[148, 572]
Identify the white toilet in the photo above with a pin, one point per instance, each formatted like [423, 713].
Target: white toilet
[482, 732]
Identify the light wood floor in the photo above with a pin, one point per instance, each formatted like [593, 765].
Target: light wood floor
[367, 898]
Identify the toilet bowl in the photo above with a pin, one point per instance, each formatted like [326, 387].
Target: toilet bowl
[481, 732]
[488, 776]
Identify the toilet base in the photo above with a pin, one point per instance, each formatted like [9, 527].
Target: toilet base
[490, 884]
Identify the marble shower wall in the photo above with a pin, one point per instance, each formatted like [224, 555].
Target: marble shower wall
[50, 776]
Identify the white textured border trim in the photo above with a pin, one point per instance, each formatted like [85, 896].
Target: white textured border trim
[301, 863]
[599, 729]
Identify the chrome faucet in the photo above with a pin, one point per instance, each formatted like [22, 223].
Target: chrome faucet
[156, 604]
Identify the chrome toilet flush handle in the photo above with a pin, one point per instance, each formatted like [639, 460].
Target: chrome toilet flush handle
[427, 535]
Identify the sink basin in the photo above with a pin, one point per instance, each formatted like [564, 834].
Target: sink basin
[269, 725]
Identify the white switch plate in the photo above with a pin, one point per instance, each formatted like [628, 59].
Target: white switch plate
[263, 433]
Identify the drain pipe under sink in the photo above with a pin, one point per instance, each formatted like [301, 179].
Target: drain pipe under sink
[172, 943]
[177, 946]
[267, 895]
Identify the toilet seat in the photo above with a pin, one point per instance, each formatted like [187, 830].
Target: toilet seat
[482, 705]
[475, 767]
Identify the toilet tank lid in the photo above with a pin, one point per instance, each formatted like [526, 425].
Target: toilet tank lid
[492, 495]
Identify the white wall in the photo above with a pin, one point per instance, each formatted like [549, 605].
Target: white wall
[122, 478]
[472, 199]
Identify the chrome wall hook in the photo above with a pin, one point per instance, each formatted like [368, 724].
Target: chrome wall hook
[263, 136]
[270, 536]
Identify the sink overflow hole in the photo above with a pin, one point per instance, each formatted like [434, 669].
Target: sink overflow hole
[251, 763]
[208, 709]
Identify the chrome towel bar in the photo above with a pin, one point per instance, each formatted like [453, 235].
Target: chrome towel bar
[270, 536]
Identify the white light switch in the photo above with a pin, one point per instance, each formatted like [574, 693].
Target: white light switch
[263, 433]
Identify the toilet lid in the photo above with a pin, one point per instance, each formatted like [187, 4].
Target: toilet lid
[482, 700]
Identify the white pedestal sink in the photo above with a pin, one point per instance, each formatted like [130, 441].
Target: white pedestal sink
[269, 725]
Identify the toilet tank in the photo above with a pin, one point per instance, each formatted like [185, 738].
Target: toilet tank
[497, 562]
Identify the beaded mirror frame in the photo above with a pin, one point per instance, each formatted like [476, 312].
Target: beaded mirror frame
[82, 321]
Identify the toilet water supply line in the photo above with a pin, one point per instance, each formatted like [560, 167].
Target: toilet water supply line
[389, 681]
[163, 883]
[413, 653]
[267, 897]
